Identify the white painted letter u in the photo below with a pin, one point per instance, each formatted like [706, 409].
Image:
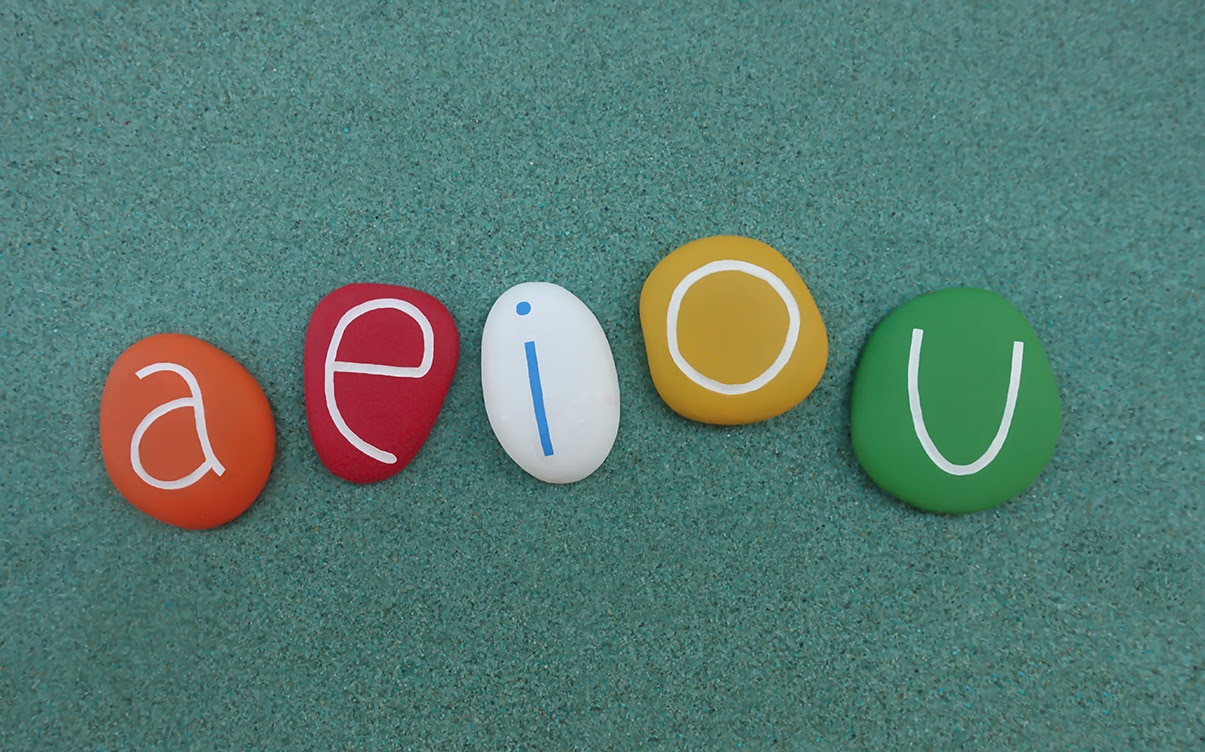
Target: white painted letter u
[918, 419]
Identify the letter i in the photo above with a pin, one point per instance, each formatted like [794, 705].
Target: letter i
[537, 389]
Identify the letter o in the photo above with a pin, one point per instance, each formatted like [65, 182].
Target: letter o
[784, 355]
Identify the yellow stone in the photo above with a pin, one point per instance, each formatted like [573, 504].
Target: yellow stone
[732, 333]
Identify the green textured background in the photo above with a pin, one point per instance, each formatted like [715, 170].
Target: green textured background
[173, 167]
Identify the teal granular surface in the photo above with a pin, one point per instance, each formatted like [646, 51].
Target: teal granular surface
[215, 169]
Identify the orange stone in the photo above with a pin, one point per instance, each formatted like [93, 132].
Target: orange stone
[732, 332]
[186, 432]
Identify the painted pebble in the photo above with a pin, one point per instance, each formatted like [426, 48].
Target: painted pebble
[549, 381]
[732, 333]
[186, 432]
[378, 363]
[954, 406]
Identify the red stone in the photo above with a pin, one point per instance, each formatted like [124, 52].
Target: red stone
[388, 377]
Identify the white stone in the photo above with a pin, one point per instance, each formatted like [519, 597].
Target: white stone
[558, 425]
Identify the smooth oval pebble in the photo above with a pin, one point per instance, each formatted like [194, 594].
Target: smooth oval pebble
[378, 363]
[549, 381]
[186, 432]
[731, 331]
[954, 407]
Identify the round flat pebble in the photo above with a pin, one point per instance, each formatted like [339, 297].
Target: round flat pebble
[954, 406]
[732, 332]
[549, 381]
[379, 360]
[186, 432]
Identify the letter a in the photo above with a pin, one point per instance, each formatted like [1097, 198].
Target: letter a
[198, 408]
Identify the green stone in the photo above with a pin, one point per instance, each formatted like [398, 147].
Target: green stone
[954, 407]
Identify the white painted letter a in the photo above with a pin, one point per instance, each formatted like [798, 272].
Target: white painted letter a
[198, 408]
